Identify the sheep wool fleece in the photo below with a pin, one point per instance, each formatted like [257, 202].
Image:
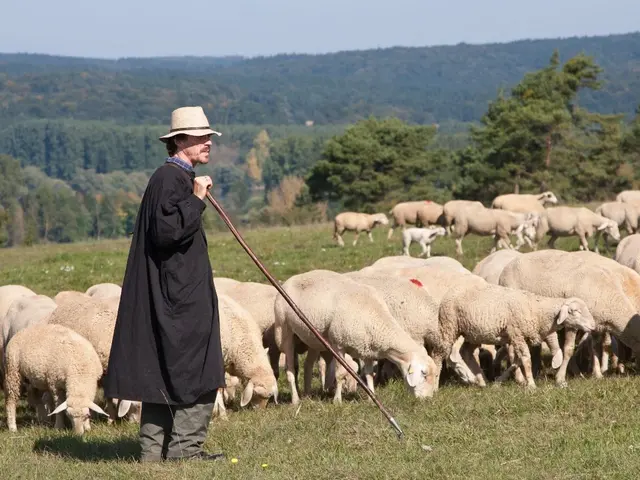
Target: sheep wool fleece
[166, 345]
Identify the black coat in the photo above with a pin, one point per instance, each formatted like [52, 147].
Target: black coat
[166, 344]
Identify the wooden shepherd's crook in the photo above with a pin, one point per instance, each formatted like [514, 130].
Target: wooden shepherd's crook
[295, 308]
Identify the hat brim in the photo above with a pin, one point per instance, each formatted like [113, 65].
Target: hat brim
[199, 132]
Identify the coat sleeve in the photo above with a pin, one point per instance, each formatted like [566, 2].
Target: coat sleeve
[175, 219]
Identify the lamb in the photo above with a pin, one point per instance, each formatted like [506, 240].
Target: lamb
[613, 297]
[424, 213]
[452, 207]
[628, 252]
[524, 203]
[424, 236]
[358, 222]
[624, 214]
[104, 290]
[498, 315]
[244, 356]
[580, 221]
[354, 319]
[53, 359]
[499, 223]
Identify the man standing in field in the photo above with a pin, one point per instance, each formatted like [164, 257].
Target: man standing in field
[166, 349]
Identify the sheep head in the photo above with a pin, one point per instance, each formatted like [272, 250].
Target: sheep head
[548, 197]
[380, 218]
[78, 414]
[420, 374]
[575, 314]
[259, 389]
[610, 228]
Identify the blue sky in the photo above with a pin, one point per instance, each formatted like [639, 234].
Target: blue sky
[119, 28]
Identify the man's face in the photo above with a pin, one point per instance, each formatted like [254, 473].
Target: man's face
[195, 149]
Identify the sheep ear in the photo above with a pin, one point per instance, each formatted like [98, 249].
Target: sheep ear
[123, 408]
[63, 406]
[564, 313]
[412, 376]
[603, 226]
[556, 361]
[247, 394]
[97, 409]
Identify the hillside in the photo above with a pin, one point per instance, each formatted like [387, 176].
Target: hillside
[422, 85]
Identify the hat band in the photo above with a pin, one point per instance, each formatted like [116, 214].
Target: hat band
[188, 128]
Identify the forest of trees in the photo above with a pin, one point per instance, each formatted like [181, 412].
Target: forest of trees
[418, 85]
[64, 180]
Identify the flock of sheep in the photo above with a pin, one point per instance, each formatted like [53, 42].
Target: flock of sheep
[400, 317]
[527, 216]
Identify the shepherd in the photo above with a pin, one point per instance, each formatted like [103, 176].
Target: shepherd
[166, 350]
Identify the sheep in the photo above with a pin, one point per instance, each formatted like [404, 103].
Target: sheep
[57, 360]
[491, 266]
[628, 252]
[400, 261]
[104, 290]
[424, 236]
[70, 296]
[624, 214]
[413, 308]
[95, 320]
[452, 207]
[569, 221]
[9, 293]
[358, 222]
[354, 319]
[243, 354]
[423, 212]
[499, 223]
[24, 312]
[628, 196]
[497, 315]
[524, 203]
[613, 297]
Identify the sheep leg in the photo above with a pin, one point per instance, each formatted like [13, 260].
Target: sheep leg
[290, 356]
[459, 246]
[341, 374]
[58, 394]
[513, 360]
[584, 244]
[390, 233]
[552, 241]
[606, 351]
[12, 393]
[466, 351]
[34, 398]
[355, 240]
[424, 248]
[569, 346]
[368, 374]
[309, 362]
[370, 236]
[524, 358]
[219, 410]
[593, 353]
[457, 363]
[437, 357]
[322, 370]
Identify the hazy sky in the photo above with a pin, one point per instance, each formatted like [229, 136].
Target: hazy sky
[119, 28]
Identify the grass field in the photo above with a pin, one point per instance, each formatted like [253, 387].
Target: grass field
[590, 430]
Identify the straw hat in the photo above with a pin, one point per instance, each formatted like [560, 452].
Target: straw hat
[190, 121]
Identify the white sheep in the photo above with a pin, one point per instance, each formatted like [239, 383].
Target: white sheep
[401, 261]
[498, 315]
[354, 319]
[422, 212]
[498, 223]
[628, 252]
[24, 312]
[524, 202]
[492, 265]
[243, 353]
[423, 236]
[570, 221]
[358, 222]
[624, 214]
[53, 359]
[104, 290]
[612, 295]
[628, 196]
[452, 207]
[9, 293]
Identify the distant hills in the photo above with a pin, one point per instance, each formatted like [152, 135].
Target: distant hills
[442, 84]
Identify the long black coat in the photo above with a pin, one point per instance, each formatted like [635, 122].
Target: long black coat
[166, 344]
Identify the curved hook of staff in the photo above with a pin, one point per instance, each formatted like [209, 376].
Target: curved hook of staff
[302, 316]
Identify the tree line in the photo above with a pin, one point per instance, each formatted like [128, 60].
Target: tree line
[418, 85]
[536, 136]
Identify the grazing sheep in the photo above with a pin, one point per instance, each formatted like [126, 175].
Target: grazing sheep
[613, 297]
[358, 222]
[499, 223]
[569, 221]
[401, 261]
[354, 319]
[244, 356]
[424, 236]
[452, 207]
[628, 252]
[624, 214]
[104, 290]
[497, 315]
[524, 202]
[423, 212]
[53, 359]
[628, 196]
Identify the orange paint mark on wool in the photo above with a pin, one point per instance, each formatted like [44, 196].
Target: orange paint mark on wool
[427, 201]
[415, 281]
